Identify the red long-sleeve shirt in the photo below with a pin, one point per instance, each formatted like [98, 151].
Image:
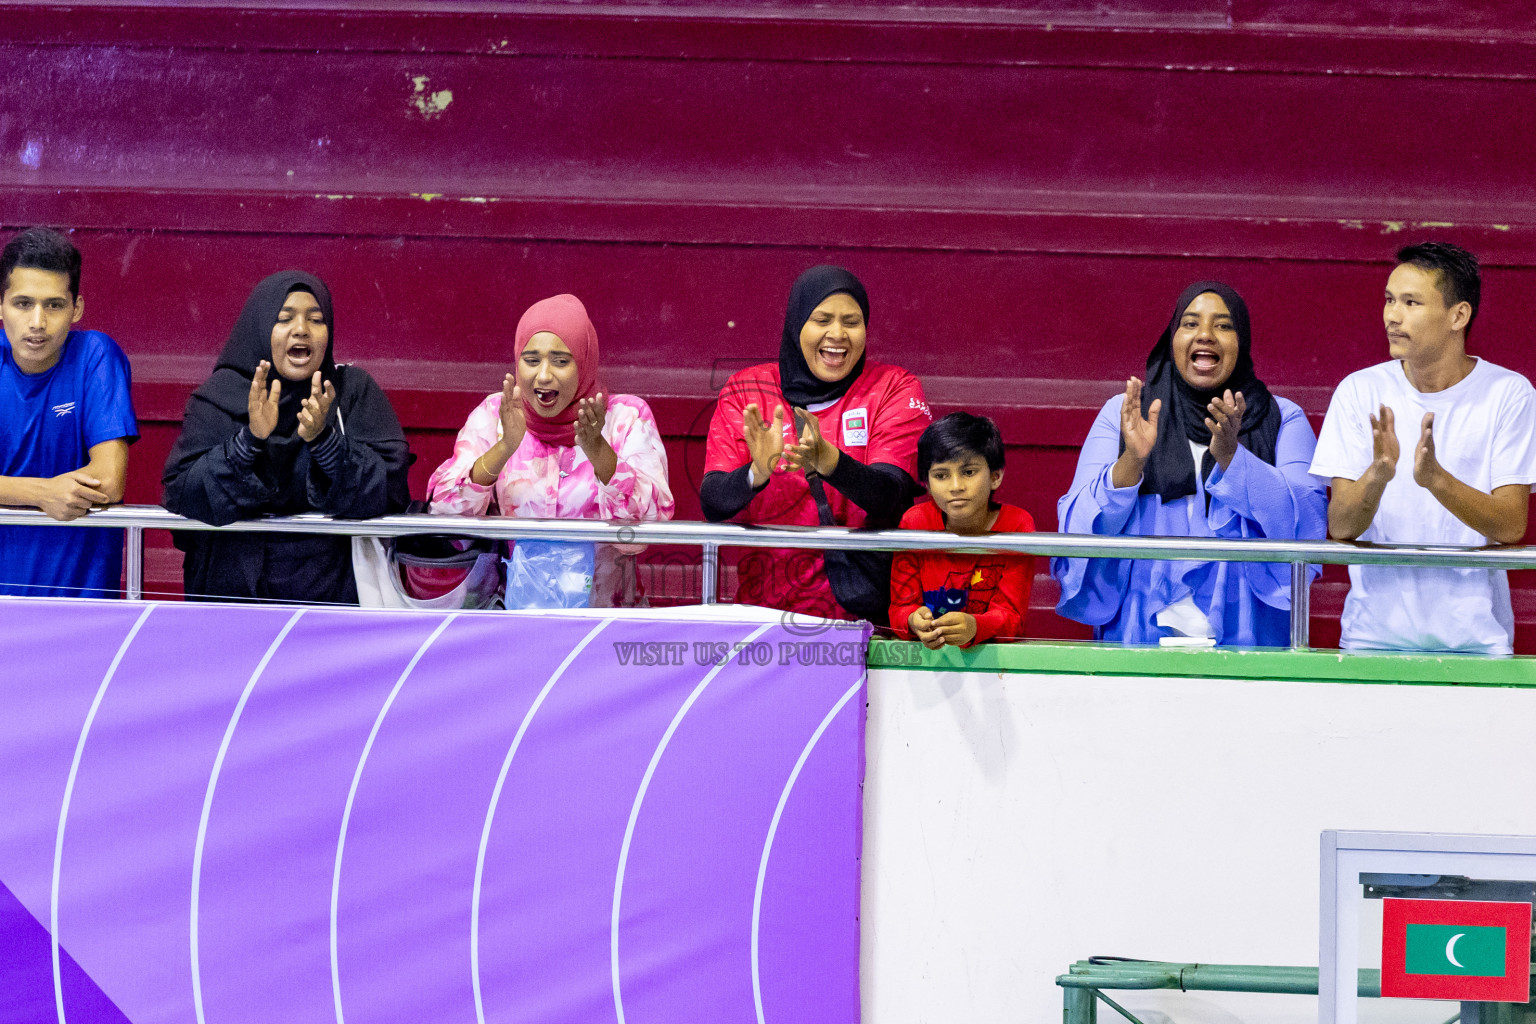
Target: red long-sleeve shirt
[998, 585]
[878, 420]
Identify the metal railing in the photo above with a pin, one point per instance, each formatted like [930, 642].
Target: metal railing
[710, 537]
[1085, 981]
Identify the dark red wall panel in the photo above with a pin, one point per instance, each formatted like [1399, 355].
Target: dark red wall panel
[439, 313]
[482, 129]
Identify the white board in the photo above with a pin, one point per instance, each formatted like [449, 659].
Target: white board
[1015, 824]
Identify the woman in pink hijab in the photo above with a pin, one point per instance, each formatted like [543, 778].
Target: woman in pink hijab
[551, 445]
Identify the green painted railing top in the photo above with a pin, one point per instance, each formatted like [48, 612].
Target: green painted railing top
[1216, 663]
[1110, 973]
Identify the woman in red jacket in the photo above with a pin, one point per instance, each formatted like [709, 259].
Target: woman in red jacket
[822, 437]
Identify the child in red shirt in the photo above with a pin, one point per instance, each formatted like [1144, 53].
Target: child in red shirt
[960, 600]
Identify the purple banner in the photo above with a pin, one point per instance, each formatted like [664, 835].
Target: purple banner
[220, 813]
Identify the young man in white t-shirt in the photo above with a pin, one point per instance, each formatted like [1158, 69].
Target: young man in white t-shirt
[1433, 447]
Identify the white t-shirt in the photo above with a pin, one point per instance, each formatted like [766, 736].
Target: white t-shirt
[1485, 436]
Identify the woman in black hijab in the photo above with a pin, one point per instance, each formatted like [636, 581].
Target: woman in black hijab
[1189, 387]
[1203, 449]
[281, 428]
[822, 437]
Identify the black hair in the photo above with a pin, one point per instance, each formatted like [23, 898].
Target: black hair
[41, 249]
[1456, 272]
[955, 436]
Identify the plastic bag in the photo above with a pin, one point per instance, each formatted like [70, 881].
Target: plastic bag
[550, 574]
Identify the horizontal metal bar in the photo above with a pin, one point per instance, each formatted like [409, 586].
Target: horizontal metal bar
[1058, 545]
[1129, 975]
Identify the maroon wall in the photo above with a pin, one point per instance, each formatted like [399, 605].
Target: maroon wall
[1024, 187]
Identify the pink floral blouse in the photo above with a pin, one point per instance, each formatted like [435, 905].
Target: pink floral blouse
[542, 481]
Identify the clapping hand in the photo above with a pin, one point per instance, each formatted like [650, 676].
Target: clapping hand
[514, 421]
[1384, 447]
[765, 441]
[1425, 465]
[591, 414]
[1140, 432]
[1224, 423]
[812, 453]
[261, 405]
[316, 408]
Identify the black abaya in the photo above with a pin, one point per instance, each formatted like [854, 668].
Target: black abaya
[218, 472]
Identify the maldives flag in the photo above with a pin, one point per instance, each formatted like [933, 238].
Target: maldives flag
[1456, 949]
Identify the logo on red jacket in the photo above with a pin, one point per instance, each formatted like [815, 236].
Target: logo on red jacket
[856, 428]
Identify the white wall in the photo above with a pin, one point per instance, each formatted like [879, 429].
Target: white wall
[1016, 824]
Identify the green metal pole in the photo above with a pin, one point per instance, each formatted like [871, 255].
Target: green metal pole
[1079, 1006]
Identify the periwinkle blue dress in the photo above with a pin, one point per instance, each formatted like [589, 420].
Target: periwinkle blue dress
[1247, 603]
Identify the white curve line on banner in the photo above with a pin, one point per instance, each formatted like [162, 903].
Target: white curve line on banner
[69, 792]
[634, 811]
[346, 814]
[773, 829]
[490, 815]
[202, 822]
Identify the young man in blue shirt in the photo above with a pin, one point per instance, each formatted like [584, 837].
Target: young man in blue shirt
[66, 421]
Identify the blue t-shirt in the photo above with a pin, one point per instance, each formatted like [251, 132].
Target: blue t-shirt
[48, 424]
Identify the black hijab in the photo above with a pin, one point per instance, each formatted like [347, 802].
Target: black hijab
[250, 341]
[1170, 469]
[801, 387]
[220, 407]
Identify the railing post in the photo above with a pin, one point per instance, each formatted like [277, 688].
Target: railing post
[1079, 1006]
[135, 563]
[1301, 607]
[709, 580]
